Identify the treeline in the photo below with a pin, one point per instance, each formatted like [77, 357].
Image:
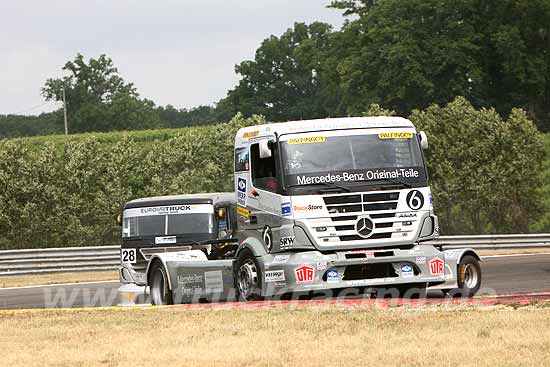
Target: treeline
[402, 55]
[161, 117]
[486, 175]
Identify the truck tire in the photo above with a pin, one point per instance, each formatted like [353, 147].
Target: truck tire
[248, 277]
[468, 277]
[160, 292]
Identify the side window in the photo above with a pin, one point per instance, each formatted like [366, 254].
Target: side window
[264, 174]
[241, 159]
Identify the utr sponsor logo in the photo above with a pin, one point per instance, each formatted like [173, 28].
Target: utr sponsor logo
[304, 274]
[436, 266]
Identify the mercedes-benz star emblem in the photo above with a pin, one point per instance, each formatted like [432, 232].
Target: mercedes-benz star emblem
[364, 227]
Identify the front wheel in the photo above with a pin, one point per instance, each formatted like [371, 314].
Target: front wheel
[160, 292]
[468, 277]
[248, 277]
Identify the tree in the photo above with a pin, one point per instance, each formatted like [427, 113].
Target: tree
[287, 78]
[486, 172]
[409, 54]
[98, 98]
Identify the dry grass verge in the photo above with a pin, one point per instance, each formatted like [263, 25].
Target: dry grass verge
[56, 278]
[539, 250]
[307, 336]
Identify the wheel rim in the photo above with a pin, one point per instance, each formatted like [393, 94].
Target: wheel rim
[248, 278]
[158, 290]
[470, 276]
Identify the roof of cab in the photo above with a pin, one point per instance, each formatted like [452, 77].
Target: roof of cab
[323, 124]
[203, 198]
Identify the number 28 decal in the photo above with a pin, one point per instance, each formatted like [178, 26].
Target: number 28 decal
[128, 255]
[415, 200]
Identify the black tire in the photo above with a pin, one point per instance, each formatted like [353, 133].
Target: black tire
[158, 285]
[248, 277]
[468, 277]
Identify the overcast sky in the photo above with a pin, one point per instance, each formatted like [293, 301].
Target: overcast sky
[177, 52]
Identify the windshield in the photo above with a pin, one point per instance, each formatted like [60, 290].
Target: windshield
[168, 220]
[352, 156]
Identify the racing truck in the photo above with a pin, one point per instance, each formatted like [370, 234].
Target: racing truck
[168, 225]
[324, 205]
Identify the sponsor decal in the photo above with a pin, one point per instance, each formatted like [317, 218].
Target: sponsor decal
[280, 284]
[415, 200]
[304, 274]
[190, 280]
[286, 209]
[287, 241]
[368, 253]
[274, 276]
[251, 134]
[280, 259]
[332, 276]
[165, 240]
[213, 281]
[420, 260]
[241, 191]
[407, 215]
[243, 212]
[407, 271]
[395, 135]
[308, 207]
[307, 140]
[168, 210]
[374, 174]
[321, 265]
[436, 266]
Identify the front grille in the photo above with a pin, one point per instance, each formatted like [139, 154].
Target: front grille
[348, 208]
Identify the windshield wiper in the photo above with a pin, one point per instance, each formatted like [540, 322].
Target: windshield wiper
[330, 186]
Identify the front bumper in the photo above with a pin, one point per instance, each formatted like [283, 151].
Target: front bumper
[313, 270]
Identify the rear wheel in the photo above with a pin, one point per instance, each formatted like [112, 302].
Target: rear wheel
[248, 277]
[468, 277]
[160, 292]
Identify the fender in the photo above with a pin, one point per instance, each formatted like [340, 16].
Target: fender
[457, 254]
[453, 257]
[253, 244]
[164, 257]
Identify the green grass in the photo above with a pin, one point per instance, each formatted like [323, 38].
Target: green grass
[112, 137]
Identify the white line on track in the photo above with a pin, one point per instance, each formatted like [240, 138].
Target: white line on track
[516, 255]
[59, 285]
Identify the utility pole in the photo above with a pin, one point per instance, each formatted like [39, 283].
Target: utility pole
[65, 112]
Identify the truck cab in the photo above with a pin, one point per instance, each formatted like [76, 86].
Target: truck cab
[334, 203]
[168, 224]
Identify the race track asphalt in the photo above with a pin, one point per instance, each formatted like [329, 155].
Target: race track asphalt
[501, 275]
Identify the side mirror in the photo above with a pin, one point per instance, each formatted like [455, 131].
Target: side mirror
[119, 220]
[423, 140]
[265, 149]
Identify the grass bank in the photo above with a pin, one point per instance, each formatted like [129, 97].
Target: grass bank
[325, 336]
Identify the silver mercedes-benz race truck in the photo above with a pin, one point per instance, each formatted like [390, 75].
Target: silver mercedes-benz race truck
[170, 224]
[324, 205]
